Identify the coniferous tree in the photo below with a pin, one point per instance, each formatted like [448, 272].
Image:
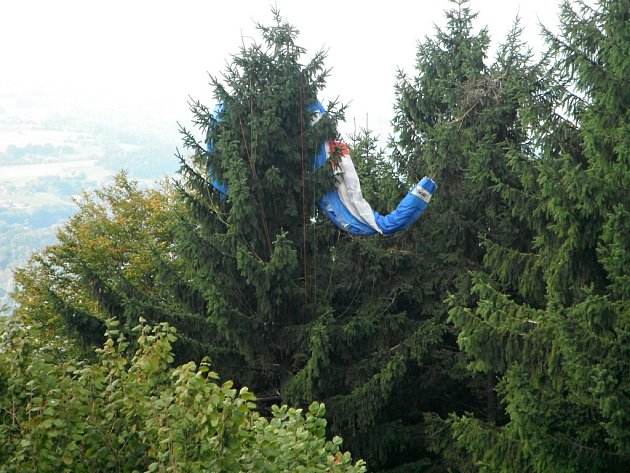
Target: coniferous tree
[460, 120]
[300, 307]
[562, 353]
[249, 243]
[306, 311]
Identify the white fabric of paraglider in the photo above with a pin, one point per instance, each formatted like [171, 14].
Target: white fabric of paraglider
[349, 188]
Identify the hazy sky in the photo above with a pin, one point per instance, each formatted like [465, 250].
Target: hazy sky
[154, 54]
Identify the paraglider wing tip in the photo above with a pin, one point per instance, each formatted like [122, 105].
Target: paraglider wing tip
[429, 184]
[424, 189]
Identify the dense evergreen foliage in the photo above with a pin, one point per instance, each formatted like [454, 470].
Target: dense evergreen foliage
[248, 255]
[552, 323]
[490, 336]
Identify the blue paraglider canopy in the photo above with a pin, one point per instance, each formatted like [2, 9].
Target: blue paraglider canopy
[345, 205]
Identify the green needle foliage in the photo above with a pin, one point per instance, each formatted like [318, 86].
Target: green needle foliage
[560, 355]
[302, 311]
[459, 118]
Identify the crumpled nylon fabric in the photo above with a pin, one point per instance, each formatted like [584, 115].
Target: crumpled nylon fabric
[345, 205]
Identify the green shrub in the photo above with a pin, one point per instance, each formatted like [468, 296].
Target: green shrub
[142, 414]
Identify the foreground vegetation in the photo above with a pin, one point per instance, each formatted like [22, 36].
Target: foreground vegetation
[138, 413]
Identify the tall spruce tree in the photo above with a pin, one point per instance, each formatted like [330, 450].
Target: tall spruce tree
[460, 119]
[248, 252]
[304, 311]
[561, 353]
[300, 308]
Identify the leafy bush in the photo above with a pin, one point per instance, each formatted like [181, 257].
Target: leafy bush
[60, 414]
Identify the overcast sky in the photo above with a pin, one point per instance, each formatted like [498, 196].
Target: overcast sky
[154, 54]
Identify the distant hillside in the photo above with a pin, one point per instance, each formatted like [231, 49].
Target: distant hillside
[47, 158]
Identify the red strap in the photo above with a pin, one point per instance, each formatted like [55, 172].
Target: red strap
[338, 146]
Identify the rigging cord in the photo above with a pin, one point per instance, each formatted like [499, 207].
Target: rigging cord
[261, 202]
[304, 207]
